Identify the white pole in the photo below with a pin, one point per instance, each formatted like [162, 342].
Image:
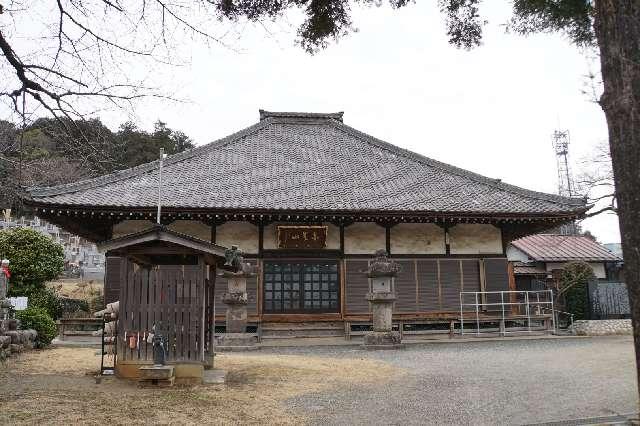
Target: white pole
[162, 156]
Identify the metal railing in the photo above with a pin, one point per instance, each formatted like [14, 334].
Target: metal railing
[514, 311]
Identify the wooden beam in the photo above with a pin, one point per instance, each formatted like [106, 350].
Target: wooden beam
[387, 239]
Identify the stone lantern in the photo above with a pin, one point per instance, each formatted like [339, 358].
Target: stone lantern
[236, 273]
[381, 273]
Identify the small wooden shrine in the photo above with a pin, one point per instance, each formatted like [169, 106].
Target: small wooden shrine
[165, 291]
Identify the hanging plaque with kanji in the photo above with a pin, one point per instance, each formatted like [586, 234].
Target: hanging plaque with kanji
[302, 237]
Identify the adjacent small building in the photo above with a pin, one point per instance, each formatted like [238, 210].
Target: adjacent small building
[309, 199]
[536, 257]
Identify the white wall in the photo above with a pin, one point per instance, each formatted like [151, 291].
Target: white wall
[364, 238]
[127, 227]
[242, 234]
[194, 228]
[475, 238]
[598, 268]
[417, 238]
[516, 255]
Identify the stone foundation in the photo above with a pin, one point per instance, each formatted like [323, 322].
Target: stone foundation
[382, 340]
[602, 327]
[237, 342]
[13, 340]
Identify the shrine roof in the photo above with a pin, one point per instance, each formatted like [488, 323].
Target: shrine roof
[305, 162]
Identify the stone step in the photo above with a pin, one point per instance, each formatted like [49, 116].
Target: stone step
[288, 330]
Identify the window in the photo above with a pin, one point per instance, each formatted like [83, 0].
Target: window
[301, 287]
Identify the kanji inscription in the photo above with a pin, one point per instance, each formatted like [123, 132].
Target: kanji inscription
[302, 237]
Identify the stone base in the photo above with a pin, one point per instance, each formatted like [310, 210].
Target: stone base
[602, 327]
[16, 348]
[382, 340]
[237, 342]
[214, 377]
[157, 375]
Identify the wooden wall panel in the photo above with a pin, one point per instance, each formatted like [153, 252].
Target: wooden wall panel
[450, 284]
[470, 280]
[496, 279]
[428, 286]
[406, 288]
[112, 279]
[356, 287]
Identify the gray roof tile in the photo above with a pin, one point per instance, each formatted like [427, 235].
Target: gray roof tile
[306, 161]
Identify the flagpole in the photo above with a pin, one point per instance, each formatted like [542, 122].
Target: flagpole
[162, 156]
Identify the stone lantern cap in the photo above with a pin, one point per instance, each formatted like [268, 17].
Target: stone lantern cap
[382, 266]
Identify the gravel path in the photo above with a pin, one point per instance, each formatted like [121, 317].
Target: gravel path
[503, 382]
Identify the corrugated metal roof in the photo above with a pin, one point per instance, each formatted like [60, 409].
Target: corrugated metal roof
[563, 248]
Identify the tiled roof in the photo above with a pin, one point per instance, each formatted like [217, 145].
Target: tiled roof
[306, 161]
[563, 248]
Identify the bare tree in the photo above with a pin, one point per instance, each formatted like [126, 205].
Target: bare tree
[596, 182]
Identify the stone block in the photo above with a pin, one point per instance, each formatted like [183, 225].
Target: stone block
[30, 335]
[15, 335]
[157, 372]
[214, 376]
[12, 324]
[602, 327]
[382, 340]
[164, 383]
[16, 348]
[5, 341]
[237, 342]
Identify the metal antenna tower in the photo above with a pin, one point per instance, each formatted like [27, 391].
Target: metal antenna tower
[561, 147]
[566, 186]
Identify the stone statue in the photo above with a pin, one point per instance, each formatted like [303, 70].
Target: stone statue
[234, 263]
[159, 352]
[382, 265]
[4, 279]
[233, 259]
[5, 305]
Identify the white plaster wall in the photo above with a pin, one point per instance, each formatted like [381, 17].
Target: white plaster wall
[598, 268]
[238, 233]
[475, 238]
[417, 238]
[270, 236]
[127, 227]
[516, 255]
[194, 228]
[364, 238]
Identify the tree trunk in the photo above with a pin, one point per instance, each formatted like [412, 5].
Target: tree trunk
[617, 26]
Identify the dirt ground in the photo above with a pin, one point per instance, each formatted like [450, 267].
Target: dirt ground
[56, 386]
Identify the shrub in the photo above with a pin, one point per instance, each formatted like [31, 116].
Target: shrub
[574, 285]
[96, 303]
[41, 322]
[72, 307]
[35, 258]
[48, 300]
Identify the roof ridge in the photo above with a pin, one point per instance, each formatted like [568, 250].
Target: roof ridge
[145, 167]
[457, 170]
[306, 116]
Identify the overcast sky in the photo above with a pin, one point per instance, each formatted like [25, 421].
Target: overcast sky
[491, 110]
